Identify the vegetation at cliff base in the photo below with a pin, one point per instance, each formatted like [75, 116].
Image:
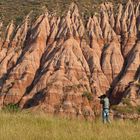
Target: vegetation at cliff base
[27, 126]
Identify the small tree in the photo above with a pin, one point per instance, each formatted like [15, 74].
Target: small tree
[12, 108]
[88, 95]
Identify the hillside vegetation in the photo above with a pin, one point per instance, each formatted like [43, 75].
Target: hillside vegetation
[17, 9]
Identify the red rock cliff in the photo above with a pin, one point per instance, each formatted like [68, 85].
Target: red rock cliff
[61, 66]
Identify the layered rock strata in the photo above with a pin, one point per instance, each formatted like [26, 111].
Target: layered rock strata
[61, 66]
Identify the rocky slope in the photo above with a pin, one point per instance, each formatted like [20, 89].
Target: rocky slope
[61, 66]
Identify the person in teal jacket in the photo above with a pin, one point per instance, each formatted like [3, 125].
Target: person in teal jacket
[104, 100]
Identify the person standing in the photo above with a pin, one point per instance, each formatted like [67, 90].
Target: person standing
[104, 100]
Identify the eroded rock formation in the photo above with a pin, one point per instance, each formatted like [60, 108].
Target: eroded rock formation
[61, 66]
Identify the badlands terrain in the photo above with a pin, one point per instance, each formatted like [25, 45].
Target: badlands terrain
[62, 64]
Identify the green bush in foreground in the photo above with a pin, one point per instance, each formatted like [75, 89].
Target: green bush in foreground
[12, 108]
[27, 126]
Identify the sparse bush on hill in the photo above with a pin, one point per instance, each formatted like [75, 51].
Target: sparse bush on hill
[88, 95]
[13, 10]
[138, 109]
[123, 109]
[138, 84]
[126, 101]
[11, 108]
[126, 108]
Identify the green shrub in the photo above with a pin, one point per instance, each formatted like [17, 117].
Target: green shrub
[88, 95]
[126, 101]
[12, 108]
[138, 84]
[126, 109]
[123, 109]
[18, 20]
[138, 109]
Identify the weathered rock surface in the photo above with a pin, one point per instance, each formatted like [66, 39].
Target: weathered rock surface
[61, 66]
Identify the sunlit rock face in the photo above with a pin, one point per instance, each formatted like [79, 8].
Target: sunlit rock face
[61, 66]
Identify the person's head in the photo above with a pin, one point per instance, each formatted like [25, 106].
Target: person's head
[103, 96]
